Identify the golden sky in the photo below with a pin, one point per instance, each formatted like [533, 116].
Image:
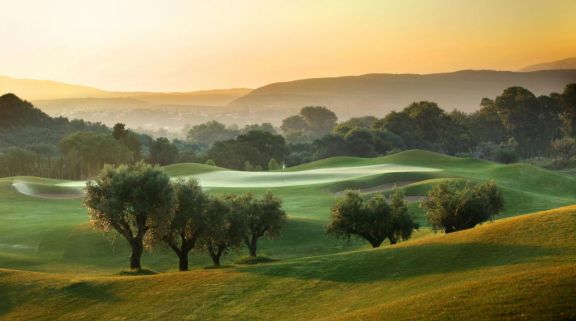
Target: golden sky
[177, 45]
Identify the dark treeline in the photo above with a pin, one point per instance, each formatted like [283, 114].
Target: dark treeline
[515, 125]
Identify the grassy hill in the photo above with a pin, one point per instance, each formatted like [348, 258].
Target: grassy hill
[43, 226]
[521, 268]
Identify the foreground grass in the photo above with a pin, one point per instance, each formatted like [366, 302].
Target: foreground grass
[522, 268]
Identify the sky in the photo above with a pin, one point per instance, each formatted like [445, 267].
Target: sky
[184, 45]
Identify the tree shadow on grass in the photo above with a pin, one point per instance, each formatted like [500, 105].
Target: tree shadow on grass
[89, 291]
[399, 263]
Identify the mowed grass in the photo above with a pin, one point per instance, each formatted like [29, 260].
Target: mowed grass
[521, 268]
[53, 235]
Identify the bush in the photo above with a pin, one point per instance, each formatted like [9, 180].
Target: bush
[565, 148]
[454, 206]
[373, 220]
[506, 156]
[502, 153]
[273, 165]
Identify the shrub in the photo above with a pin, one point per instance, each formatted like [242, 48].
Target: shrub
[453, 206]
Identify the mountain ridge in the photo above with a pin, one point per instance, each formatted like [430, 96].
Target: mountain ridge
[568, 63]
[46, 90]
[378, 94]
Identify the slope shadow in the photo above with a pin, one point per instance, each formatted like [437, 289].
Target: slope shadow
[89, 291]
[11, 295]
[405, 262]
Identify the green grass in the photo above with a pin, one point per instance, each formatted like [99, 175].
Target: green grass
[522, 268]
[55, 232]
[190, 169]
[55, 266]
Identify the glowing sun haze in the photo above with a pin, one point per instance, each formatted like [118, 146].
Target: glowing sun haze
[177, 45]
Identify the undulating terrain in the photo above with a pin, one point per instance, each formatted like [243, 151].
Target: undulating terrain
[522, 266]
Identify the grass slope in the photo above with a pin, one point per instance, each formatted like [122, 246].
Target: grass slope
[52, 234]
[522, 268]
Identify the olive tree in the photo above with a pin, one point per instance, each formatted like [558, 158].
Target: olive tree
[188, 221]
[136, 201]
[223, 229]
[401, 223]
[454, 206]
[262, 217]
[373, 220]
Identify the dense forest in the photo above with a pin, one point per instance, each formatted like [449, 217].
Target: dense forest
[514, 125]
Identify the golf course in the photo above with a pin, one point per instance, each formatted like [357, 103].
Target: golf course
[521, 266]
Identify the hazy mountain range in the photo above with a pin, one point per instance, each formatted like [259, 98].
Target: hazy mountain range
[348, 96]
[569, 63]
[379, 93]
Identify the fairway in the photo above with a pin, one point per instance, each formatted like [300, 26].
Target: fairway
[43, 225]
[221, 178]
[44, 228]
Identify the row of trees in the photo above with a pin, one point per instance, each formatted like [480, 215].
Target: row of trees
[450, 206]
[141, 203]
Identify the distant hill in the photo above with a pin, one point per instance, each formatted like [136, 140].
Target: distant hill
[23, 125]
[380, 93]
[35, 90]
[16, 112]
[46, 89]
[569, 63]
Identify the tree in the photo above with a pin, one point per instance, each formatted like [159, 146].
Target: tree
[401, 223]
[263, 217]
[454, 206]
[568, 104]
[163, 152]
[421, 125]
[320, 120]
[264, 127]
[255, 148]
[136, 201]
[532, 121]
[273, 165]
[87, 152]
[365, 122]
[188, 222]
[223, 230]
[485, 124]
[565, 148]
[211, 132]
[294, 124]
[373, 220]
[312, 122]
[360, 142]
[119, 131]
